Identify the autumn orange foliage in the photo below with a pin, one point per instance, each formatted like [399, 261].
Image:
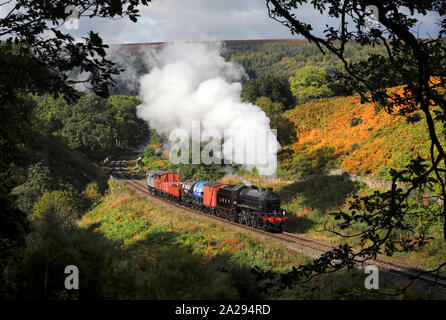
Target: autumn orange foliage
[121, 199]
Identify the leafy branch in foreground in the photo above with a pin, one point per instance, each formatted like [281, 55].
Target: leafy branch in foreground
[386, 218]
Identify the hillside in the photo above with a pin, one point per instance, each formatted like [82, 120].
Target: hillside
[184, 258]
[285, 58]
[50, 165]
[265, 56]
[258, 57]
[359, 138]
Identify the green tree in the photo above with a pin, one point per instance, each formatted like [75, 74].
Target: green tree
[284, 58]
[38, 180]
[56, 242]
[272, 86]
[92, 192]
[200, 172]
[308, 83]
[58, 204]
[274, 110]
[32, 28]
[13, 228]
[91, 129]
[50, 114]
[386, 216]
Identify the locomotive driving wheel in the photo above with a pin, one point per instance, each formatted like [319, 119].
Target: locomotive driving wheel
[244, 217]
[252, 222]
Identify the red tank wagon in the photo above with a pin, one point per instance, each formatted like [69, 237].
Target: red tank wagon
[246, 204]
[210, 195]
[165, 177]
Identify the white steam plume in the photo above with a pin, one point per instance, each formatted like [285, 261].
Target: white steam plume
[192, 82]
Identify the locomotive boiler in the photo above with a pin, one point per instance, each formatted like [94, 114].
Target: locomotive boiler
[250, 205]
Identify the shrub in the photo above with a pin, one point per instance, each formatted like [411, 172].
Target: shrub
[311, 163]
[152, 159]
[38, 180]
[275, 87]
[308, 83]
[355, 146]
[178, 274]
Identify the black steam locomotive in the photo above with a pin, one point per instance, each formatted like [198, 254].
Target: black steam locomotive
[250, 205]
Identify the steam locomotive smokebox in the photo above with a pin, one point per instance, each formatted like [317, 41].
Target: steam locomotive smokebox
[165, 177]
[188, 188]
[151, 175]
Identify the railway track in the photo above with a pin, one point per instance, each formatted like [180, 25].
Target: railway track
[318, 247]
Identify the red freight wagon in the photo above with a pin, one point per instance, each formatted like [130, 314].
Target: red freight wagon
[172, 188]
[210, 193]
[165, 177]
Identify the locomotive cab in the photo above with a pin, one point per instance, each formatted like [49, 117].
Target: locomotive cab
[254, 206]
[262, 199]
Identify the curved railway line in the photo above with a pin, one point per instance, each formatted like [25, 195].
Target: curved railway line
[317, 247]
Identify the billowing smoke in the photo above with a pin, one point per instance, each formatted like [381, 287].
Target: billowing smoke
[192, 83]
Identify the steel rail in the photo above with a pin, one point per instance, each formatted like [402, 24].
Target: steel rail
[299, 240]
